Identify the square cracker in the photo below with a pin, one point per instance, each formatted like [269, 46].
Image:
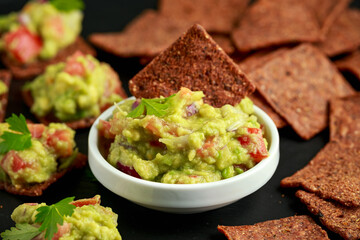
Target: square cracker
[350, 63]
[27, 71]
[5, 76]
[343, 35]
[345, 120]
[298, 85]
[146, 36]
[334, 173]
[338, 218]
[276, 22]
[295, 227]
[194, 61]
[214, 15]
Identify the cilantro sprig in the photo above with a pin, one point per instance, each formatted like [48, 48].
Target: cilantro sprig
[155, 106]
[18, 140]
[68, 5]
[48, 216]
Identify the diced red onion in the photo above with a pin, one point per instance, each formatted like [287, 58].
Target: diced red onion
[128, 170]
[136, 103]
[191, 110]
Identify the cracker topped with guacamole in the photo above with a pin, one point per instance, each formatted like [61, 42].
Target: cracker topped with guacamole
[180, 139]
[74, 92]
[64, 220]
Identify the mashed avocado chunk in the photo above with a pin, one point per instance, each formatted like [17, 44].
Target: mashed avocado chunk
[79, 88]
[180, 139]
[42, 29]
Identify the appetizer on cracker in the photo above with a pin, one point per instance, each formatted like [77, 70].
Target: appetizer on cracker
[43, 32]
[74, 92]
[5, 80]
[33, 156]
[66, 219]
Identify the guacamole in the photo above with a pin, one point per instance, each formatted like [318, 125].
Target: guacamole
[52, 148]
[79, 88]
[89, 220]
[38, 31]
[180, 139]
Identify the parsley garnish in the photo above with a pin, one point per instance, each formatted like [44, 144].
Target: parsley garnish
[23, 231]
[50, 216]
[16, 141]
[68, 5]
[155, 106]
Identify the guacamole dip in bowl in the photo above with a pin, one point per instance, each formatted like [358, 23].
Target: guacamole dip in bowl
[178, 154]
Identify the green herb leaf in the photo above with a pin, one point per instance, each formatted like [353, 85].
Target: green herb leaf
[23, 231]
[68, 5]
[15, 141]
[51, 216]
[156, 106]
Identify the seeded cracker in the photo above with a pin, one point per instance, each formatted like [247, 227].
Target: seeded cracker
[146, 36]
[350, 63]
[271, 23]
[344, 34]
[295, 227]
[298, 85]
[194, 61]
[218, 16]
[5, 76]
[345, 120]
[22, 71]
[334, 173]
[338, 218]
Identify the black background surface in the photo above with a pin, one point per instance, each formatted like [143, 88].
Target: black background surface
[136, 222]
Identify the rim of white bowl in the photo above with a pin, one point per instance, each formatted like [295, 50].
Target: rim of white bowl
[272, 136]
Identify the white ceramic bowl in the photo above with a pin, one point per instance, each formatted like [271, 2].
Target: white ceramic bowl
[185, 198]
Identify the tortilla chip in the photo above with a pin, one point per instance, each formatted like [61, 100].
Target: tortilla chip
[334, 173]
[224, 42]
[345, 120]
[272, 23]
[147, 35]
[194, 61]
[37, 189]
[218, 16]
[344, 34]
[327, 11]
[295, 227]
[259, 101]
[338, 218]
[21, 71]
[350, 63]
[5, 76]
[298, 85]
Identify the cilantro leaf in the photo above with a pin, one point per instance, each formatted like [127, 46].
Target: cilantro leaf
[51, 216]
[68, 5]
[15, 141]
[23, 231]
[156, 106]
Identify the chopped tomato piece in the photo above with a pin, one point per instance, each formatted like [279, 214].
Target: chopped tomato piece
[253, 130]
[62, 230]
[204, 151]
[244, 140]
[104, 129]
[23, 45]
[254, 143]
[56, 26]
[73, 67]
[260, 151]
[17, 162]
[155, 124]
[36, 129]
[61, 142]
[87, 201]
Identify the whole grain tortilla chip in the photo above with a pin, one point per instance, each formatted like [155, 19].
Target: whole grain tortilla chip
[327, 11]
[146, 36]
[334, 173]
[194, 61]
[350, 63]
[345, 120]
[298, 85]
[224, 42]
[218, 16]
[294, 227]
[272, 23]
[338, 218]
[5, 76]
[344, 34]
[37, 189]
[24, 72]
